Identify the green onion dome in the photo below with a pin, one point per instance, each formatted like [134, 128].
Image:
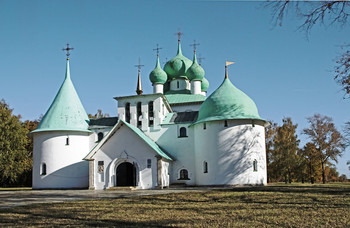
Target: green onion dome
[195, 72]
[227, 102]
[204, 85]
[177, 66]
[158, 75]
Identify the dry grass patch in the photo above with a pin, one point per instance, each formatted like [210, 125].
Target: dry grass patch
[271, 206]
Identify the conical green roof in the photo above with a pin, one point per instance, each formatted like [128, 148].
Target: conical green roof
[158, 75]
[195, 72]
[66, 112]
[227, 102]
[177, 66]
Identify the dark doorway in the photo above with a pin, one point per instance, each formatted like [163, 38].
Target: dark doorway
[126, 174]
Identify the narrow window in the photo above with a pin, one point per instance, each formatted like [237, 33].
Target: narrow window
[149, 163]
[150, 113]
[204, 126]
[225, 123]
[183, 174]
[67, 141]
[100, 166]
[178, 84]
[99, 136]
[43, 169]
[253, 124]
[205, 167]
[139, 114]
[255, 165]
[183, 132]
[127, 112]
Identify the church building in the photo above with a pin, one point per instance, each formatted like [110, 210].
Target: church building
[175, 135]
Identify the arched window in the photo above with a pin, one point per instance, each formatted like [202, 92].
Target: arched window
[127, 112]
[99, 136]
[43, 169]
[67, 141]
[204, 126]
[225, 123]
[139, 114]
[183, 132]
[255, 165]
[178, 84]
[205, 167]
[150, 114]
[184, 174]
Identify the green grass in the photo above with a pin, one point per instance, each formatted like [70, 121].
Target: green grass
[296, 205]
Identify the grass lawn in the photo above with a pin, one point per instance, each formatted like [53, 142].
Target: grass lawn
[296, 205]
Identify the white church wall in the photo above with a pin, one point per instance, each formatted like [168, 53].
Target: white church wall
[159, 110]
[93, 138]
[64, 165]
[230, 152]
[180, 84]
[182, 149]
[125, 146]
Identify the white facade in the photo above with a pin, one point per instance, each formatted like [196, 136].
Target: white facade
[57, 160]
[159, 139]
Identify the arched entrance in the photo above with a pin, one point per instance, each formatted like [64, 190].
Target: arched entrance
[126, 174]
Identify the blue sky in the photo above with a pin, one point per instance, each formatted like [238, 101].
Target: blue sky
[286, 74]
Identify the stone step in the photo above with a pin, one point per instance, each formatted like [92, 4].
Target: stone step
[122, 188]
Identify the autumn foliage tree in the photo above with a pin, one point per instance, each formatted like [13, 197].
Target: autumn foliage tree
[328, 142]
[14, 157]
[282, 157]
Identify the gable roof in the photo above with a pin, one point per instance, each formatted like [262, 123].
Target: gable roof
[184, 117]
[104, 121]
[137, 131]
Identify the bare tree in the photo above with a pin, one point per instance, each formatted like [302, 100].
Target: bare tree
[326, 13]
[328, 141]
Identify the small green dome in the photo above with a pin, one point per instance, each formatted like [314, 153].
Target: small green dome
[195, 72]
[227, 102]
[158, 75]
[204, 85]
[177, 66]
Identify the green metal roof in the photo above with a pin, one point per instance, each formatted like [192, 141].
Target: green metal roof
[178, 65]
[137, 131]
[204, 85]
[66, 112]
[158, 75]
[195, 72]
[227, 102]
[150, 142]
[184, 98]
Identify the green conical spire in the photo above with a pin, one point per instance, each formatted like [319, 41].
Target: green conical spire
[66, 112]
[179, 52]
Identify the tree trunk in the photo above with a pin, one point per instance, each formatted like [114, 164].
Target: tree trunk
[323, 174]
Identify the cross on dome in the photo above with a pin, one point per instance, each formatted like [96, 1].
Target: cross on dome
[194, 45]
[67, 49]
[139, 65]
[157, 49]
[200, 58]
[179, 34]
